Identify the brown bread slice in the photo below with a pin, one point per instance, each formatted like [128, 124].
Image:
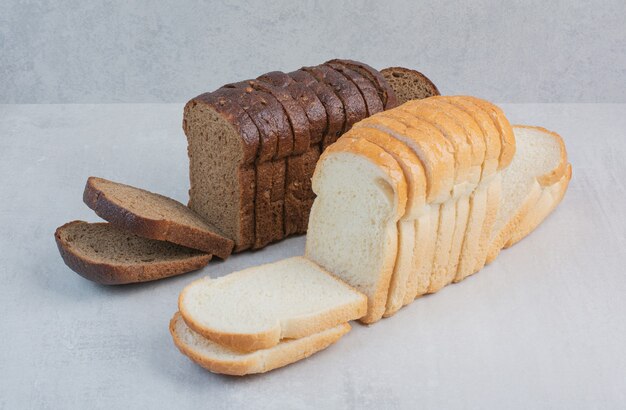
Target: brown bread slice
[409, 84]
[301, 131]
[222, 147]
[105, 254]
[332, 104]
[353, 104]
[368, 91]
[274, 131]
[385, 91]
[153, 216]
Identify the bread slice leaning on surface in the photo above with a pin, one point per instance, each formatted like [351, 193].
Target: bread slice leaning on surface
[219, 359]
[540, 161]
[257, 307]
[153, 216]
[105, 254]
[550, 198]
[361, 195]
[409, 84]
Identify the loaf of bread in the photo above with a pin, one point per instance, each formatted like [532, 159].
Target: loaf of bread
[253, 145]
[408, 201]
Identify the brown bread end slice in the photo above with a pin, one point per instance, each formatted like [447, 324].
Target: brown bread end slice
[107, 255]
[153, 216]
[222, 144]
[409, 84]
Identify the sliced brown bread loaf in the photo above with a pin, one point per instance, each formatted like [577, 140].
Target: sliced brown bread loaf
[222, 145]
[385, 91]
[105, 254]
[409, 84]
[153, 216]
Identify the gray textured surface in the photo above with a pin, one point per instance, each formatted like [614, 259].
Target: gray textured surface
[542, 327]
[169, 51]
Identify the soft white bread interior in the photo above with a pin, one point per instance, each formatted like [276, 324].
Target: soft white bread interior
[257, 307]
[352, 232]
[416, 207]
[219, 359]
[540, 161]
[437, 156]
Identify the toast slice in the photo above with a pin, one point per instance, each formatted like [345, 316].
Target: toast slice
[540, 161]
[409, 84]
[257, 307]
[107, 255]
[416, 207]
[153, 216]
[361, 195]
[550, 197]
[219, 359]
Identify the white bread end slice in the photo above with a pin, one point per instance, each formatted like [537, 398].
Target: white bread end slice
[361, 194]
[219, 359]
[551, 196]
[257, 307]
[540, 160]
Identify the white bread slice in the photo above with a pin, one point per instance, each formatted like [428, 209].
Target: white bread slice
[550, 197]
[361, 195]
[462, 133]
[416, 206]
[436, 154]
[257, 307]
[485, 199]
[540, 161]
[219, 359]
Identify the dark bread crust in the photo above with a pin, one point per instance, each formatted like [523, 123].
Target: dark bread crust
[353, 104]
[111, 274]
[335, 116]
[298, 175]
[368, 91]
[208, 240]
[386, 92]
[223, 101]
[274, 128]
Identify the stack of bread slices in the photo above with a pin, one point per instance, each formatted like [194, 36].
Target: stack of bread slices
[410, 200]
[253, 145]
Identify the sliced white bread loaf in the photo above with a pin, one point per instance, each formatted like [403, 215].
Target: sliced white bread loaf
[415, 208]
[540, 161]
[219, 359]
[257, 307]
[550, 197]
[361, 195]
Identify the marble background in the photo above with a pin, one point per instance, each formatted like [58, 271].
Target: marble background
[71, 51]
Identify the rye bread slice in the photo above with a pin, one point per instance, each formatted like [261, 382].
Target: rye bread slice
[368, 91]
[409, 84]
[273, 126]
[335, 116]
[222, 147]
[353, 104]
[153, 216]
[385, 91]
[105, 254]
